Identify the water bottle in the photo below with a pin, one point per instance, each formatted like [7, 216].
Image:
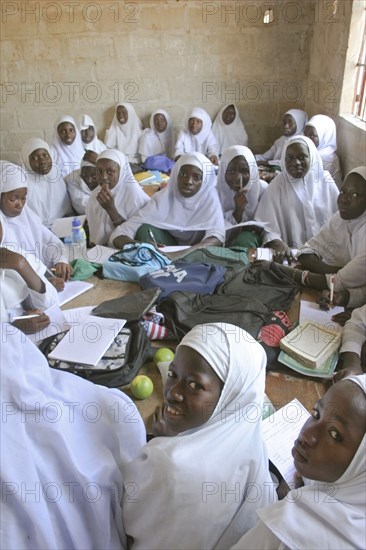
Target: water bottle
[77, 242]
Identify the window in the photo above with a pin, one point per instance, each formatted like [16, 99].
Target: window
[359, 102]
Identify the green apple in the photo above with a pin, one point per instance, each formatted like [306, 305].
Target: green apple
[141, 386]
[162, 355]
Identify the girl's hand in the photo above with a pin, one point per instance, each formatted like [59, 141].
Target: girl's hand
[58, 283]
[156, 424]
[240, 199]
[63, 270]
[33, 324]
[281, 252]
[105, 198]
[214, 160]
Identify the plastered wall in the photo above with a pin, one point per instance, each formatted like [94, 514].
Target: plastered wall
[74, 57]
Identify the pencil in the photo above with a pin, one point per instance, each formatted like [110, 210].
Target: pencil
[153, 238]
[331, 287]
[241, 181]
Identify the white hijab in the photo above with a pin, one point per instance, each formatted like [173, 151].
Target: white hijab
[325, 515]
[300, 118]
[184, 482]
[229, 134]
[255, 186]
[64, 440]
[68, 157]
[125, 137]
[153, 142]
[326, 129]
[296, 209]
[47, 194]
[168, 209]
[96, 144]
[26, 233]
[129, 197]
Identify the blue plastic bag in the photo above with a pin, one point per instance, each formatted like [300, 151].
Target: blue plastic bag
[159, 162]
[134, 261]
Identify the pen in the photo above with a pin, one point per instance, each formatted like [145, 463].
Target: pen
[331, 287]
[50, 272]
[26, 316]
[241, 181]
[151, 234]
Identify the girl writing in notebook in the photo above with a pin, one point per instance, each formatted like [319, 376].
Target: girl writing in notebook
[328, 511]
[210, 441]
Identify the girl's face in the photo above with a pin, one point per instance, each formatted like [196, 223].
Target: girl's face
[12, 202]
[311, 133]
[40, 161]
[229, 114]
[289, 126]
[122, 114]
[352, 197]
[191, 391]
[160, 122]
[107, 172]
[297, 160]
[66, 132]
[89, 175]
[189, 180]
[195, 125]
[330, 438]
[237, 170]
[88, 134]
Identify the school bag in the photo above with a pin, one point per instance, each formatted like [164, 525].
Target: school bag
[159, 162]
[133, 261]
[181, 275]
[130, 350]
[231, 258]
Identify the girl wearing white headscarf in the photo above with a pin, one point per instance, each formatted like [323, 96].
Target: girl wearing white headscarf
[95, 144]
[153, 142]
[299, 120]
[322, 130]
[128, 197]
[23, 286]
[203, 142]
[227, 134]
[63, 442]
[25, 232]
[67, 156]
[47, 194]
[296, 208]
[320, 515]
[125, 137]
[185, 220]
[197, 487]
[81, 189]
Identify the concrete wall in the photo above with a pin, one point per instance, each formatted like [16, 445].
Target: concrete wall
[74, 57]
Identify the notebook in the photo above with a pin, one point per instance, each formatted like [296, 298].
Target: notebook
[311, 344]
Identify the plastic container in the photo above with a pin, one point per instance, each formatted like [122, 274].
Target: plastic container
[76, 242]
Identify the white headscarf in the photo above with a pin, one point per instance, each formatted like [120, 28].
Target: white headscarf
[325, 515]
[128, 196]
[326, 129]
[168, 209]
[153, 142]
[63, 439]
[255, 186]
[184, 481]
[300, 118]
[26, 233]
[296, 209]
[125, 137]
[68, 157]
[47, 194]
[229, 134]
[96, 144]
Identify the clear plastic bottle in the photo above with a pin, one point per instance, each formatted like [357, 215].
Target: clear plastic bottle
[77, 242]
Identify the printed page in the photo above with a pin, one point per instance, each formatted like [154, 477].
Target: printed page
[279, 432]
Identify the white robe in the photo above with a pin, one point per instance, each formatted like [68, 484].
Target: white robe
[354, 332]
[47, 194]
[275, 152]
[153, 142]
[229, 134]
[63, 442]
[129, 197]
[296, 209]
[327, 134]
[67, 157]
[319, 515]
[125, 137]
[192, 487]
[169, 210]
[78, 190]
[204, 142]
